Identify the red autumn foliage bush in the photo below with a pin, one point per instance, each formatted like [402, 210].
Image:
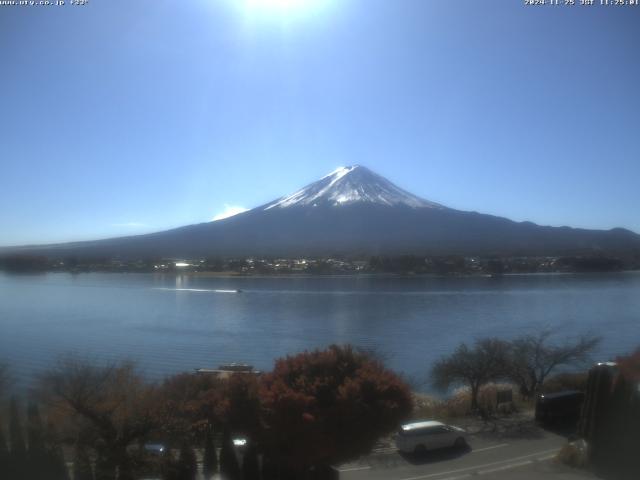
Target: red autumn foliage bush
[327, 406]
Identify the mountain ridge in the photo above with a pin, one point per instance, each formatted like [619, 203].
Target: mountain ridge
[352, 210]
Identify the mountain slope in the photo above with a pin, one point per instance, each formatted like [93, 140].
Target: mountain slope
[353, 211]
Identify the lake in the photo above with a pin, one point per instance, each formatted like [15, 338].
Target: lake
[169, 323]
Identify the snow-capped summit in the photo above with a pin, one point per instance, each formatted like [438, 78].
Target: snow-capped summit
[348, 185]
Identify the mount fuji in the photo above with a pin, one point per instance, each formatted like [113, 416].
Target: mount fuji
[352, 211]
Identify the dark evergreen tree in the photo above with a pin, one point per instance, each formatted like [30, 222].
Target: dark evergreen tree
[168, 467]
[229, 467]
[82, 463]
[4, 453]
[269, 469]
[187, 463]
[104, 467]
[250, 465]
[210, 457]
[55, 462]
[37, 453]
[18, 462]
[126, 468]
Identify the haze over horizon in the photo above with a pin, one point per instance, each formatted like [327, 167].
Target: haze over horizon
[129, 118]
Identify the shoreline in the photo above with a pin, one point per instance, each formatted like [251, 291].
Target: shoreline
[231, 274]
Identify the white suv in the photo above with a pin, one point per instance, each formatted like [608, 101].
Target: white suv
[419, 437]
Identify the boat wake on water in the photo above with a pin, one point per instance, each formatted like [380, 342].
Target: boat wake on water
[197, 290]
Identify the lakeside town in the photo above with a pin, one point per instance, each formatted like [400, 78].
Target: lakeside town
[336, 265]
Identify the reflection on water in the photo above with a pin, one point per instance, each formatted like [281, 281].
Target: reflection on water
[171, 323]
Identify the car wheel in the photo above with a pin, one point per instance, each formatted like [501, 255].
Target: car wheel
[460, 442]
[420, 450]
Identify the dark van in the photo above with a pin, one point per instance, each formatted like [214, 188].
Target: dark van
[559, 408]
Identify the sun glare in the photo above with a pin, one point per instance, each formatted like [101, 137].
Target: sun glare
[277, 4]
[282, 7]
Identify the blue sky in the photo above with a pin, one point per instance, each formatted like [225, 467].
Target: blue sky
[125, 117]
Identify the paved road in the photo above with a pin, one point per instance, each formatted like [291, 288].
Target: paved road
[528, 457]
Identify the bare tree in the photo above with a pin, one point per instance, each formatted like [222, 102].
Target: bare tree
[112, 403]
[472, 367]
[534, 357]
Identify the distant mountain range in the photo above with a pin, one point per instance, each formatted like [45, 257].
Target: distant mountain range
[351, 211]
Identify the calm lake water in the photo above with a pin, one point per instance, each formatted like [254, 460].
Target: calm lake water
[176, 323]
